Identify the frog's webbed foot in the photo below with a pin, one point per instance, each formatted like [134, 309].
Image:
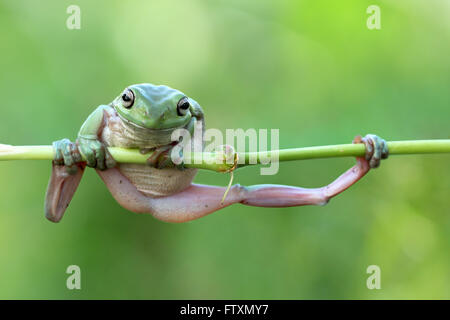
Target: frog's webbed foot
[61, 189]
[96, 154]
[67, 171]
[161, 157]
[376, 149]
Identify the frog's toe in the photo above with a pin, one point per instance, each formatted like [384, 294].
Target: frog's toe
[100, 157]
[89, 154]
[159, 158]
[67, 154]
[146, 150]
[376, 149]
[59, 146]
[109, 160]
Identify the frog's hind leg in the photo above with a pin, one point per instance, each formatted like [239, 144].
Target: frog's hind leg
[199, 200]
[60, 190]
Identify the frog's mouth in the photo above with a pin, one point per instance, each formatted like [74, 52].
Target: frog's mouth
[146, 137]
[139, 127]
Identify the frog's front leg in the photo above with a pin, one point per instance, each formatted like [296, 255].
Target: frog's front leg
[89, 144]
[200, 200]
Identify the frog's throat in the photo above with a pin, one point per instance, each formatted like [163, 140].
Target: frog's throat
[155, 136]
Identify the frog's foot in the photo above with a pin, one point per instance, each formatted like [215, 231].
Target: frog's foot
[67, 154]
[376, 149]
[61, 189]
[96, 154]
[67, 170]
[161, 157]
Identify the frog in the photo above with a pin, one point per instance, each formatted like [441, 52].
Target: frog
[145, 116]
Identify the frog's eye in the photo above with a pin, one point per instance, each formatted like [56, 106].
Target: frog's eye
[127, 98]
[183, 106]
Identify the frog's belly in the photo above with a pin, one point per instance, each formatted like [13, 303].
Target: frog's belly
[157, 182]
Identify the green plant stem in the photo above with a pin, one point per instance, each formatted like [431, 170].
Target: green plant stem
[203, 161]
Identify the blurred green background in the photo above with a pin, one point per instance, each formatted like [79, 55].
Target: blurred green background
[309, 68]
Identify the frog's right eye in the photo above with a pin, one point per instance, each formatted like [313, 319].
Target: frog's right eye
[183, 106]
[127, 98]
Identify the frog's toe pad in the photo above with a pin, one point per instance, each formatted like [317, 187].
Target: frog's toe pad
[160, 157]
[376, 149]
[67, 154]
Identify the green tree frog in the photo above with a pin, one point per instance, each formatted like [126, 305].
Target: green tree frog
[144, 116]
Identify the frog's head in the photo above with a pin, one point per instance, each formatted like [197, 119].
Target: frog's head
[154, 107]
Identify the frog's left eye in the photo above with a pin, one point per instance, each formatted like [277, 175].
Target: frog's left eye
[183, 106]
[127, 98]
